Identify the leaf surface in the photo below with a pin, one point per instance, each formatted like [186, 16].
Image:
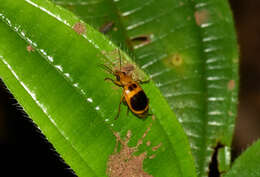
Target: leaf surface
[189, 49]
[247, 164]
[49, 60]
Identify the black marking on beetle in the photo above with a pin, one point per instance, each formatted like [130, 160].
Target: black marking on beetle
[139, 101]
[106, 27]
[131, 88]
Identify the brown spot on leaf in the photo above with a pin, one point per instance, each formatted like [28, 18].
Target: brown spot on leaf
[148, 143]
[79, 28]
[146, 132]
[231, 85]
[155, 148]
[152, 156]
[201, 16]
[30, 48]
[140, 141]
[124, 163]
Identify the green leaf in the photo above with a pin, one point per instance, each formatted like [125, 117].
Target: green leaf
[195, 66]
[189, 49]
[247, 164]
[98, 13]
[224, 159]
[49, 61]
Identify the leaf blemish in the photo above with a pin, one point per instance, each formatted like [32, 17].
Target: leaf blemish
[106, 27]
[124, 163]
[176, 60]
[148, 143]
[140, 41]
[29, 48]
[201, 17]
[152, 156]
[79, 28]
[231, 85]
[155, 148]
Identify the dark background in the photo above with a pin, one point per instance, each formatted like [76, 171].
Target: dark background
[246, 14]
[24, 153]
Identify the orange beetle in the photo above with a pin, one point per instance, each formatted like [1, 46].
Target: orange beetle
[133, 95]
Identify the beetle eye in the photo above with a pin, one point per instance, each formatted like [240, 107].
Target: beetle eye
[117, 77]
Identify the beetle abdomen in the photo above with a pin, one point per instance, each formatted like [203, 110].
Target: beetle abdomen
[139, 101]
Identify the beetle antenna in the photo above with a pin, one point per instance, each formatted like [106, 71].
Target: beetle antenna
[106, 68]
[119, 58]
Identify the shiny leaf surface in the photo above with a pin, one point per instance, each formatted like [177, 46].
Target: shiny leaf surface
[248, 164]
[189, 49]
[49, 60]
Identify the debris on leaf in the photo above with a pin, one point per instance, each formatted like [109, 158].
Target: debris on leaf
[106, 27]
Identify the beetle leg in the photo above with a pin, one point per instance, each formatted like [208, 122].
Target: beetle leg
[125, 103]
[121, 99]
[114, 81]
[127, 113]
[143, 82]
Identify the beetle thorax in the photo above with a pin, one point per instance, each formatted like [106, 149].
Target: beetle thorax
[123, 78]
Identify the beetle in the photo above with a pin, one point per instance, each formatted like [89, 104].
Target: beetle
[133, 94]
